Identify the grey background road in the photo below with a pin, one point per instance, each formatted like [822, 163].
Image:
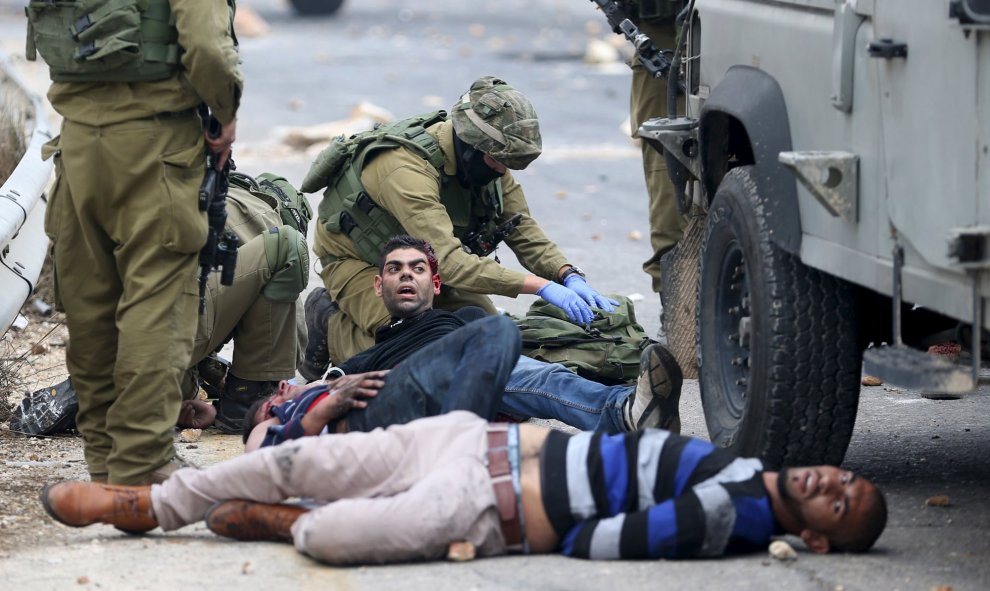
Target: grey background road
[587, 191]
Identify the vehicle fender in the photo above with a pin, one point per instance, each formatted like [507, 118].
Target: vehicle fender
[746, 115]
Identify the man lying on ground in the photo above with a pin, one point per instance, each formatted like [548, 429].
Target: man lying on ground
[409, 491]
[407, 283]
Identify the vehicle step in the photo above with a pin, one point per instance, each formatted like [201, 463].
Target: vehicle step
[910, 368]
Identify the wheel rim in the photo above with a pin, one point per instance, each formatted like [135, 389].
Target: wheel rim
[733, 325]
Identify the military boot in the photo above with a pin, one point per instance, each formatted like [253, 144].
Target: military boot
[79, 504]
[319, 307]
[212, 371]
[237, 397]
[251, 521]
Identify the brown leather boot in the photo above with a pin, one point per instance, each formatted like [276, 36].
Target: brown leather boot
[250, 521]
[80, 504]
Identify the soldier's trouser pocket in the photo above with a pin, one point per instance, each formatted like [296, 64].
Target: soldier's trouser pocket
[53, 209]
[183, 226]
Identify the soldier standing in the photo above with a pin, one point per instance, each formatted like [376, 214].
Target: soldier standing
[443, 180]
[123, 215]
[648, 99]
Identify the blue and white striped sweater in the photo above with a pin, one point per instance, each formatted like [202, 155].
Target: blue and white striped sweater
[651, 494]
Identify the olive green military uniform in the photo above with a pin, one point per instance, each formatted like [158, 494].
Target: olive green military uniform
[408, 187]
[126, 228]
[648, 99]
[269, 330]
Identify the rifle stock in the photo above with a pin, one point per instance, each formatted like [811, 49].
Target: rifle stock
[220, 251]
[655, 62]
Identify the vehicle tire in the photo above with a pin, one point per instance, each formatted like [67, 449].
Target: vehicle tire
[317, 7]
[778, 353]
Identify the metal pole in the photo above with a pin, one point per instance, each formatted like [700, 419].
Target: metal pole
[898, 263]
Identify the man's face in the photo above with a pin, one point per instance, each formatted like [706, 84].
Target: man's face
[826, 499]
[285, 392]
[407, 286]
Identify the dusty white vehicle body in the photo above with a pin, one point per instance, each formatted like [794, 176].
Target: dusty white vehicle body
[841, 150]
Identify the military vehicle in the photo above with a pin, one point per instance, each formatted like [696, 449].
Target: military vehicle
[317, 7]
[839, 154]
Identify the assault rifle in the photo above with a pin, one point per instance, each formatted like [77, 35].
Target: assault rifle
[484, 243]
[220, 250]
[655, 62]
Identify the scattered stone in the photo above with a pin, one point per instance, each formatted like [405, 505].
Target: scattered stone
[781, 550]
[247, 23]
[600, 52]
[596, 237]
[362, 117]
[190, 435]
[460, 551]
[296, 104]
[871, 381]
[635, 235]
[247, 568]
[948, 351]
[477, 30]
[41, 307]
[434, 101]
[40, 348]
[938, 501]
[83, 580]
[942, 588]
[561, 194]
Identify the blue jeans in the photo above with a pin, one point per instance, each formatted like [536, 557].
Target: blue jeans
[551, 391]
[465, 370]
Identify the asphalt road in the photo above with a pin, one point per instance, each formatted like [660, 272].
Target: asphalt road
[409, 56]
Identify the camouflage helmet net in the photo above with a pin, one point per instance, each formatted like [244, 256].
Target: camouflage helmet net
[498, 120]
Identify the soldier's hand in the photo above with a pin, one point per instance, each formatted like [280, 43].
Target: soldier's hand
[580, 286]
[568, 301]
[220, 145]
[196, 414]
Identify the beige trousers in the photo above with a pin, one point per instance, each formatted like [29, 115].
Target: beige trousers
[399, 494]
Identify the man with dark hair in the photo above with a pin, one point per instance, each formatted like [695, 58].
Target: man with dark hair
[444, 179]
[408, 281]
[409, 491]
[426, 362]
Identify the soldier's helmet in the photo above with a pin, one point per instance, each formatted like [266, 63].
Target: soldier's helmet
[500, 121]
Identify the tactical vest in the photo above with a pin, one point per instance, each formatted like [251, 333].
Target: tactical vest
[346, 208]
[291, 205]
[104, 40]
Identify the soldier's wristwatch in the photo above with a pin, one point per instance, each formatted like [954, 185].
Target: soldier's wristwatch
[571, 271]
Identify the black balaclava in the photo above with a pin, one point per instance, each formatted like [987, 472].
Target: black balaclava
[471, 167]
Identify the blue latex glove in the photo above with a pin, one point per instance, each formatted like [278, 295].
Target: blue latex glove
[568, 301]
[578, 285]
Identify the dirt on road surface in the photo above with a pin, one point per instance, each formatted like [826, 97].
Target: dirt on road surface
[32, 358]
